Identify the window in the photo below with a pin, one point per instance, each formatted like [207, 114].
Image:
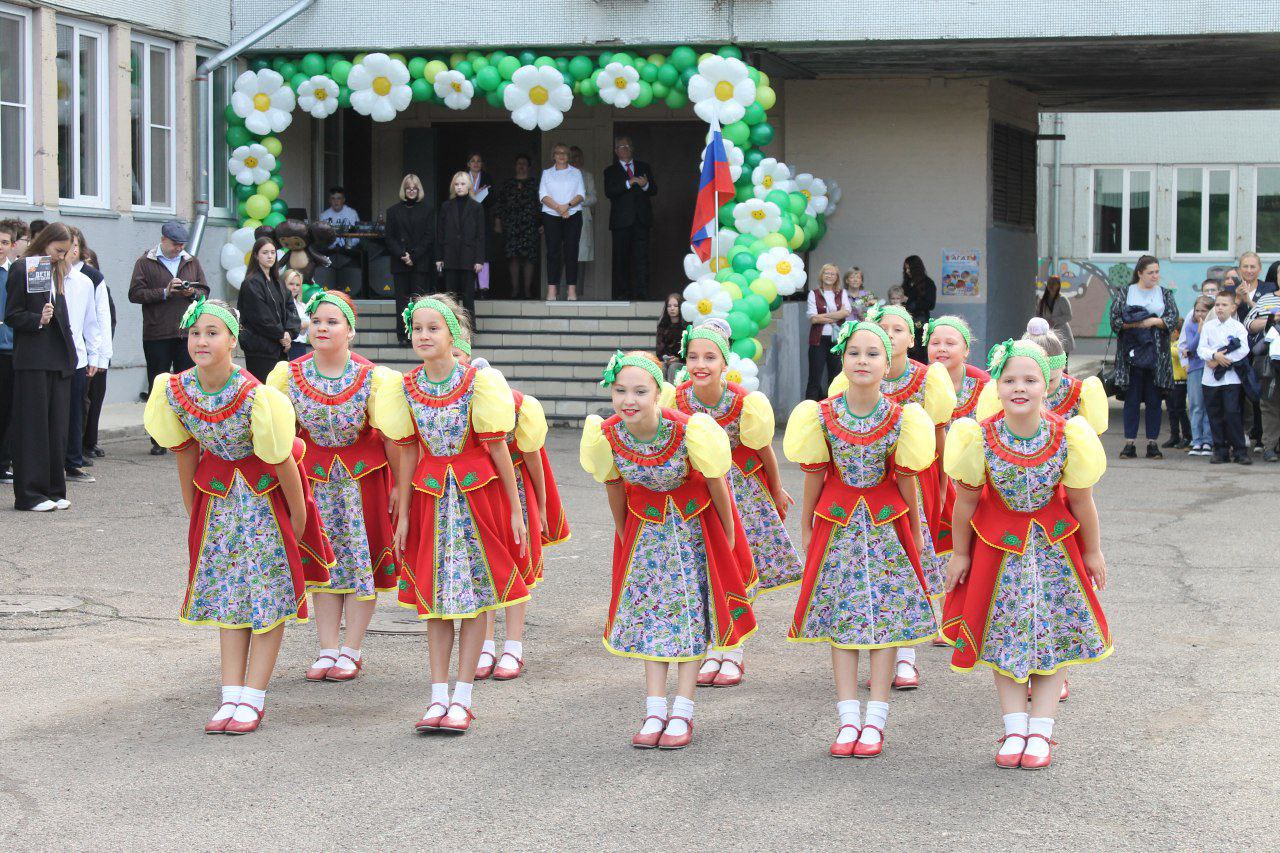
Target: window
[1204, 209]
[1013, 176]
[1122, 211]
[221, 81]
[1266, 238]
[151, 118]
[15, 101]
[82, 89]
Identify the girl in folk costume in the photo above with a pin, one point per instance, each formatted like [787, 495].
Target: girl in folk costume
[1020, 585]
[863, 587]
[909, 381]
[677, 578]
[332, 391]
[754, 479]
[255, 540]
[459, 528]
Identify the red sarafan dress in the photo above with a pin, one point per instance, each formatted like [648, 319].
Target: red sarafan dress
[347, 468]
[529, 437]
[247, 569]
[1027, 606]
[461, 558]
[1071, 397]
[975, 379]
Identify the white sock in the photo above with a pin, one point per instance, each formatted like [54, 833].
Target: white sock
[654, 706]
[250, 698]
[877, 715]
[906, 661]
[347, 665]
[489, 648]
[711, 664]
[850, 711]
[515, 648]
[681, 707]
[229, 694]
[1014, 724]
[331, 654]
[461, 696]
[734, 657]
[440, 693]
[1036, 747]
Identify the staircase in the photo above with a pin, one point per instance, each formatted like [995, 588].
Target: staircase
[554, 351]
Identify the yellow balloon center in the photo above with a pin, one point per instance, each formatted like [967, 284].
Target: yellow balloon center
[806, 193]
[456, 85]
[381, 85]
[767, 182]
[733, 376]
[262, 102]
[246, 257]
[704, 306]
[784, 267]
[620, 82]
[724, 90]
[538, 95]
[719, 263]
[251, 162]
[757, 214]
[320, 94]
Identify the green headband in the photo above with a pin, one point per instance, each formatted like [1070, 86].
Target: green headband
[952, 322]
[847, 330]
[1058, 362]
[1001, 353]
[692, 334]
[324, 297]
[620, 360]
[203, 306]
[879, 311]
[450, 320]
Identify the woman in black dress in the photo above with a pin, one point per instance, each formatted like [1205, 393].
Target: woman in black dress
[410, 236]
[460, 242]
[517, 220]
[268, 320]
[922, 297]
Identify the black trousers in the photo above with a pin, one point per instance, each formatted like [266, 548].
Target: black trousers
[1176, 403]
[1142, 391]
[823, 367]
[562, 236]
[165, 355]
[630, 263]
[77, 406]
[6, 408]
[462, 285]
[260, 366]
[408, 285]
[1223, 404]
[42, 399]
[97, 393]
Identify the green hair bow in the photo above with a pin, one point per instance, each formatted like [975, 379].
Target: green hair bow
[320, 297]
[203, 306]
[620, 360]
[951, 322]
[1002, 352]
[878, 311]
[450, 320]
[847, 330]
[692, 333]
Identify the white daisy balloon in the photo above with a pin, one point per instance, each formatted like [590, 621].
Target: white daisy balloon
[235, 255]
[538, 97]
[783, 268]
[251, 164]
[770, 175]
[379, 87]
[704, 299]
[815, 190]
[619, 84]
[733, 155]
[721, 90]
[454, 89]
[319, 96]
[757, 217]
[744, 372]
[264, 101]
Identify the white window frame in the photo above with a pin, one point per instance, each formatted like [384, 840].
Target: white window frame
[23, 17]
[213, 144]
[1253, 242]
[81, 28]
[1125, 184]
[1218, 254]
[149, 44]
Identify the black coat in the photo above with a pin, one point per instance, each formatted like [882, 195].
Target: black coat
[34, 348]
[629, 206]
[922, 298]
[266, 313]
[411, 228]
[460, 234]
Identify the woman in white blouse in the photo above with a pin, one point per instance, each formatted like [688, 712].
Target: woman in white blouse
[827, 308]
[562, 192]
[587, 244]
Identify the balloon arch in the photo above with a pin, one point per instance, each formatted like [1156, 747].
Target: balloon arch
[774, 214]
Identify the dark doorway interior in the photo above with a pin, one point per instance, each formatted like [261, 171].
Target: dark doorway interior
[357, 165]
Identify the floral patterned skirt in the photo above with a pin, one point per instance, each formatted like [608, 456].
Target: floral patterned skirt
[776, 559]
[531, 567]
[365, 563]
[932, 564]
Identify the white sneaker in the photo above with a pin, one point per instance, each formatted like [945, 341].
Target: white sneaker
[44, 506]
[63, 504]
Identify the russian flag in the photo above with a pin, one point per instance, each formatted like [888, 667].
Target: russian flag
[715, 181]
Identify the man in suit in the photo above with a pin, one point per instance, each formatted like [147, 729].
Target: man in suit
[629, 185]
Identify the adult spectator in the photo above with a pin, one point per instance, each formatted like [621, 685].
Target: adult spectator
[44, 359]
[81, 284]
[587, 242]
[106, 347]
[8, 236]
[482, 191]
[165, 281]
[1271, 281]
[268, 321]
[1263, 323]
[37, 225]
[671, 326]
[517, 220]
[1056, 309]
[1247, 292]
[561, 192]
[460, 242]
[1142, 322]
[921, 297]
[338, 212]
[410, 236]
[861, 299]
[827, 307]
[629, 185]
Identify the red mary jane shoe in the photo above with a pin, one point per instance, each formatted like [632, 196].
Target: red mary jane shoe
[707, 677]
[484, 670]
[456, 727]
[938, 641]
[1038, 762]
[906, 682]
[868, 750]
[235, 727]
[677, 741]
[217, 727]
[318, 671]
[431, 722]
[649, 741]
[1010, 761]
[845, 750]
[507, 673]
[724, 680]
[337, 673]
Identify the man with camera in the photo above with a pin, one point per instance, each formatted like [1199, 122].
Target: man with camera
[165, 281]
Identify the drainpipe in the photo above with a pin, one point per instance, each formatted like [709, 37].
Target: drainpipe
[1053, 194]
[204, 121]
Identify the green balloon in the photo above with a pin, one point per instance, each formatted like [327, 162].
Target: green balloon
[467, 70]
[764, 288]
[775, 304]
[243, 191]
[259, 64]
[544, 61]
[229, 113]
[279, 206]
[742, 260]
[649, 73]
[746, 348]
[344, 97]
[755, 114]
[687, 75]
[311, 64]
[645, 96]
[743, 193]
[730, 51]
[605, 59]
[277, 179]
[562, 62]
[494, 98]
[676, 99]
[273, 219]
[738, 133]
[737, 279]
[588, 87]
[741, 326]
[668, 75]
[238, 135]
[278, 62]
[766, 96]
[487, 79]
[752, 159]
[590, 98]
[726, 215]
[240, 214]
[762, 134]
[421, 89]
[332, 60]
[684, 57]
[527, 57]
[778, 197]
[754, 75]
[340, 71]
[753, 305]
[479, 62]
[797, 202]
[287, 70]
[745, 241]
[508, 66]
[417, 66]
[497, 56]
[624, 58]
[660, 91]
[258, 206]
[786, 228]
[580, 67]
[297, 80]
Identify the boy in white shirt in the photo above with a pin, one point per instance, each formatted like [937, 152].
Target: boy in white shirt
[1223, 342]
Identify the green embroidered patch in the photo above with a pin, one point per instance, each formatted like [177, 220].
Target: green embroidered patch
[751, 463]
[1059, 528]
[885, 512]
[264, 481]
[691, 507]
[469, 479]
[961, 645]
[305, 559]
[1011, 540]
[218, 485]
[403, 584]
[318, 470]
[837, 511]
[652, 512]
[737, 612]
[431, 483]
[360, 466]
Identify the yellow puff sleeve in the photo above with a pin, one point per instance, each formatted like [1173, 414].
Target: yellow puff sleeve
[916, 442]
[493, 409]
[964, 459]
[531, 426]
[595, 454]
[988, 402]
[278, 378]
[940, 394]
[667, 396]
[708, 444]
[1086, 460]
[1093, 404]
[389, 410]
[838, 385]
[159, 418]
[804, 442]
[271, 424]
[756, 424]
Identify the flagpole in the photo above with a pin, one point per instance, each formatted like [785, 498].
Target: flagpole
[715, 195]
